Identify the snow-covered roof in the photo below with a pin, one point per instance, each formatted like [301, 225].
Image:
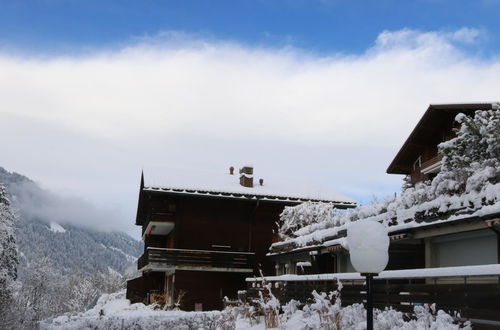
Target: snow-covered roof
[222, 184]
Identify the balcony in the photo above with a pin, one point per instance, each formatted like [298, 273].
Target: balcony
[161, 259]
[432, 165]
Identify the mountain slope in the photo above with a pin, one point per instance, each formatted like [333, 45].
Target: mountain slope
[72, 248]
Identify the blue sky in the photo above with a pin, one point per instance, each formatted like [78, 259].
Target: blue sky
[91, 92]
[322, 26]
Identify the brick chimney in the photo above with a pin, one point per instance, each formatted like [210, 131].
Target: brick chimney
[231, 170]
[246, 176]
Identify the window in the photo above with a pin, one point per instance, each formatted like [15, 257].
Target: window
[418, 163]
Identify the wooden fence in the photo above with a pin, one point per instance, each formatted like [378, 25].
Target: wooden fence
[472, 297]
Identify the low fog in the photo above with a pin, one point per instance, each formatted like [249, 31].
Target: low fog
[35, 203]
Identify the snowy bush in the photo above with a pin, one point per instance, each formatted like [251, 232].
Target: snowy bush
[325, 312]
[295, 217]
[329, 315]
[267, 305]
[112, 312]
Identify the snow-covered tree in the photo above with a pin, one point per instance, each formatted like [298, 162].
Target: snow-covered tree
[472, 159]
[41, 293]
[406, 183]
[295, 217]
[8, 253]
[44, 292]
[82, 293]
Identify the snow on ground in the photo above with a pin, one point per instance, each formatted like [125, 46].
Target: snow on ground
[113, 311]
[56, 228]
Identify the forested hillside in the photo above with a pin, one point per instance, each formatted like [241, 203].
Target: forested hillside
[49, 264]
[71, 249]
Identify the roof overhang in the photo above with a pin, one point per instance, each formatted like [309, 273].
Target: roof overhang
[241, 196]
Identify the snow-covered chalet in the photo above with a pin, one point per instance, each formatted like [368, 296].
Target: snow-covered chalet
[205, 232]
[447, 231]
[444, 246]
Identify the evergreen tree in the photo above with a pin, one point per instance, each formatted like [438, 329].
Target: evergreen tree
[8, 256]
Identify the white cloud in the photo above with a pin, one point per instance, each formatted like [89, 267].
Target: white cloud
[418, 40]
[180, 99]
[466, 35]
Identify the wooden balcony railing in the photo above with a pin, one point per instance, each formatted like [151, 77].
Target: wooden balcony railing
[431, 164]
[206, 260]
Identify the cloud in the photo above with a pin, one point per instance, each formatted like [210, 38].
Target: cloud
[181, 99]
[466, 35]
[36, 203]
[418, 40]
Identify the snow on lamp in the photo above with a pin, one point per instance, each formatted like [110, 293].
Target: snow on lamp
[368, 243]
[368, 246]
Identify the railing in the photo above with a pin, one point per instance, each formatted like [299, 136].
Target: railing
[473, 295]
[431, 164]
[198, 259]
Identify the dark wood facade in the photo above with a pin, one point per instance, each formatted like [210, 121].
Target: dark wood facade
[203, 245]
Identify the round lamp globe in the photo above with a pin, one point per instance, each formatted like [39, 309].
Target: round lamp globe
[368, 243]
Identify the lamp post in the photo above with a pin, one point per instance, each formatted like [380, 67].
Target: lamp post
[368, 243]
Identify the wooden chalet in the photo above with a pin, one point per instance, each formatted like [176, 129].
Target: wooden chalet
[464, 236]
[430, 243]
[418, 157]
[205, 232]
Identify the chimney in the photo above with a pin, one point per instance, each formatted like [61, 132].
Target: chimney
[246, 176]
[261, 181]
[231, 170]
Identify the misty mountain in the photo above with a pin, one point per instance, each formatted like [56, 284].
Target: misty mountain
[54, 226]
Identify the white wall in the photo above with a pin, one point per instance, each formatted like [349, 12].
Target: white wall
[463, 249]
